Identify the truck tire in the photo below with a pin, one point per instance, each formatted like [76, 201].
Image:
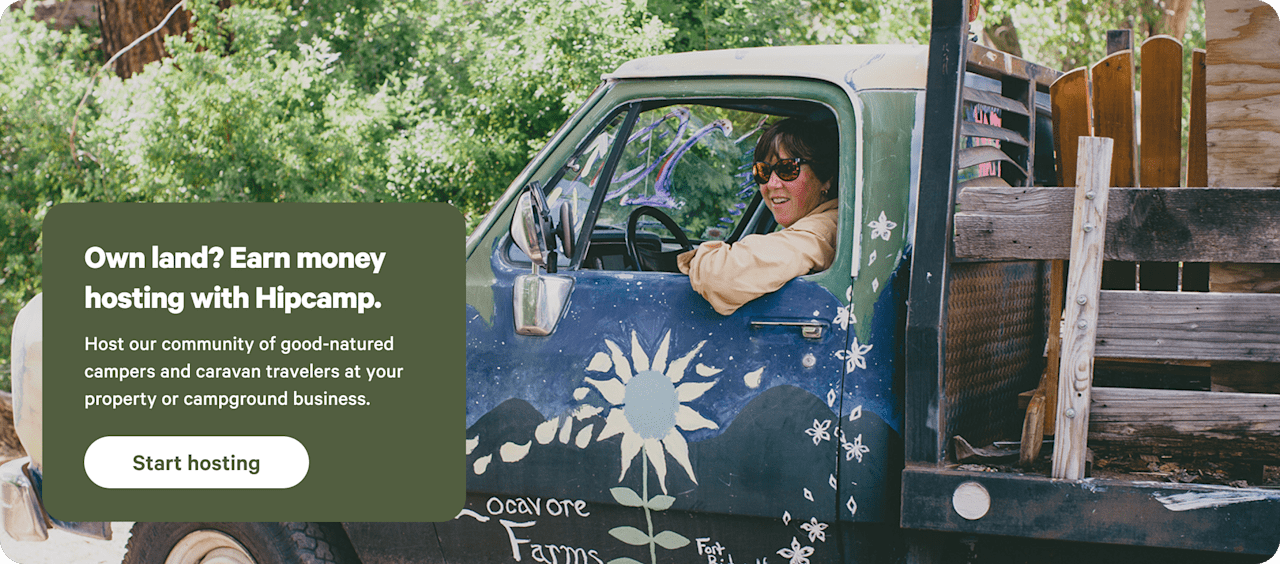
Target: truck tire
[238, 543]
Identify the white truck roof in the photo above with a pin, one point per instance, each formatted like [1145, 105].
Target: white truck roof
[859, 67]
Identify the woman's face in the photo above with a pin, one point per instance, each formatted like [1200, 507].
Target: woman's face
[790, 200]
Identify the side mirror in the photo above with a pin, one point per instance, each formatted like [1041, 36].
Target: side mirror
[531, 227]
[539, 300]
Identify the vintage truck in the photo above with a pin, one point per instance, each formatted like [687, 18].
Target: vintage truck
[614, 417]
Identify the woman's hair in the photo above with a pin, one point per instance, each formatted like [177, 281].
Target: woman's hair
[814, 141]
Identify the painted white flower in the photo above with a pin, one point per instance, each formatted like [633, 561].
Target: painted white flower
[844, 314]
[882, 228]
[844, 317]
[832, 396]
[796, 554]
[648, 405]
[816, 530]
[819, 431]
[855, 449]
[856, 356]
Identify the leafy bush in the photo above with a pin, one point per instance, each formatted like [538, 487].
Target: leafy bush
[366, 100]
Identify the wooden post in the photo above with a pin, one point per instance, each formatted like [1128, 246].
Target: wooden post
[1088, 233]
[1114, 117]
[1195, 276]
[1197, 141]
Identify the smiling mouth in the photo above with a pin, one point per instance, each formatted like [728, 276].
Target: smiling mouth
[778, 201]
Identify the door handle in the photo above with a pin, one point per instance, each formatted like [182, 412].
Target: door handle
[809, 329]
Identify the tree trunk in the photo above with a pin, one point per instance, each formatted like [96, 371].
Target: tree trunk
[1175, 18]
[123, 21]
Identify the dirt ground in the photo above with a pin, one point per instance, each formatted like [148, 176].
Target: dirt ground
[66, 548]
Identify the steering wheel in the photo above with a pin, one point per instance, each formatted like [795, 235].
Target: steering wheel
[664, 262]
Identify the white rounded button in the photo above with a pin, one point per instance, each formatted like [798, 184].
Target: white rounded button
[119, 462]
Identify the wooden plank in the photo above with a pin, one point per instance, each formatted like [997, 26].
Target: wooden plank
[1186, 423]
[1072, 119]
[1250, 278]
[1189, 325]
[1057, 296]
[998, 65]
[1161, 138]
[1249, 377]
[1161, 112]
[1088, 229]
[1242, 107]
[1197, 142]
[1114, 116]
[1040, 421]
[1239, 225]
[1242, 93]
[984, 182]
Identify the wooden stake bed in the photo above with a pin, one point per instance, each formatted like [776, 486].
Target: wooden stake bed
[1012, 217]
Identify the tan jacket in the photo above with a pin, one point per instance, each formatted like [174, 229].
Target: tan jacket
[729, 276]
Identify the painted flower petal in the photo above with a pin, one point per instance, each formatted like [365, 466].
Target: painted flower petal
[600, 363]
[584, 437]
[584, 411]
[638, 356]
[612, 390]
[567, 430]
[615, 423]
[660, 358]
[658, 456]
[546, 430]
[706, 371]
[512, 452]
[676, 371]
[621, 366]
[631, 444]
[689, 391]
[690, 420]
[679, 450]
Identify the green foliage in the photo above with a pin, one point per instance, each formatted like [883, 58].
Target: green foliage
[312, 100]
[386, 100]
[1077, 29]
[42, 74]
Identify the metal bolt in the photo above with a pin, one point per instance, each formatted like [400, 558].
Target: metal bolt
[1082, 324]
[1090, 195]
[1070, 413]
[808, 360]
[1088, 227]
[1082, 299]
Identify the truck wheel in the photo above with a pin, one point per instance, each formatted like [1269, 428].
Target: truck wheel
[237, 543]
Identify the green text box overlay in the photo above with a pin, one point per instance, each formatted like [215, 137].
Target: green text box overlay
[379, 408]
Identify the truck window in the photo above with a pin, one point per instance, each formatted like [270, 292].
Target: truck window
[690, 160]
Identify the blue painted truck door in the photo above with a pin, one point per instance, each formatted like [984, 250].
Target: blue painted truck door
[647, 427]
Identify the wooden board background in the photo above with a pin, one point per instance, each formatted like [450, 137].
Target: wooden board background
[1243, 93]
[1242, 103]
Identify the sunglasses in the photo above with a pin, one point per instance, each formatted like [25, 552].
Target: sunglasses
[786, 169]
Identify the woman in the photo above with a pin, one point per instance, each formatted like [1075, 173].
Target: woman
[795, 165]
